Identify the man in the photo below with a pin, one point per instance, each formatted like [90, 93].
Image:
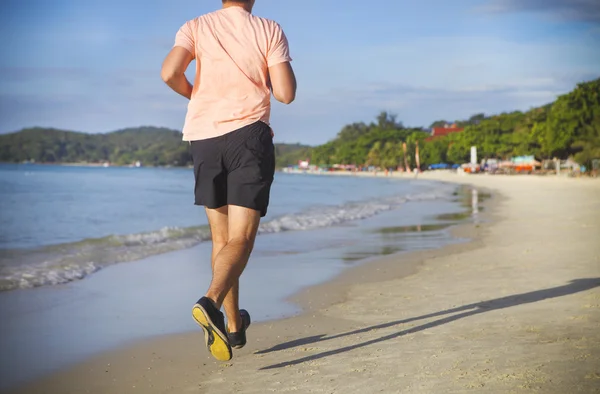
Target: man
[240, 60]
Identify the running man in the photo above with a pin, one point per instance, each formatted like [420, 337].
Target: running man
[240, 60]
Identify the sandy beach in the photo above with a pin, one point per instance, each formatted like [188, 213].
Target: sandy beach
[515, 310]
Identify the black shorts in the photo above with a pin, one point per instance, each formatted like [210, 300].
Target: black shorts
[235, 169]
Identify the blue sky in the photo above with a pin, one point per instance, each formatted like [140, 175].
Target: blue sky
[94, 65]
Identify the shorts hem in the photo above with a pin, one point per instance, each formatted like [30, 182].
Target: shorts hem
[210, 206]
[263, 212]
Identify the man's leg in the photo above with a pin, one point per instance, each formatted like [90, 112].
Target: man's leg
[249, 162]
[218, 220]
[230, 261]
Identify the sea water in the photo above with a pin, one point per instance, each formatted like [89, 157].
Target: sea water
[94, 258]
[61, 223]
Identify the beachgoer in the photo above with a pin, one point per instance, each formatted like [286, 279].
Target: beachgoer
[240, 60]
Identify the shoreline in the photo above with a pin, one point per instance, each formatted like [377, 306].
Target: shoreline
[178, 363]
[432, 174]
[308, 299]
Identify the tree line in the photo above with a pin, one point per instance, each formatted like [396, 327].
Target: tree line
[568, 127]
[151, 146]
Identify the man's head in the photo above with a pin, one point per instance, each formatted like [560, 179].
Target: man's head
[246, 4]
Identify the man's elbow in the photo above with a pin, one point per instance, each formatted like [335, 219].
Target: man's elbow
[286, 98]
[168, 75]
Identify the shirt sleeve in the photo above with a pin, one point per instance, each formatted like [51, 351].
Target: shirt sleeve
[279, 50]
[185, 38]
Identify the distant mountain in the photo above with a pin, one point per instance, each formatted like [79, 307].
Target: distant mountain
[568, 127]
[290, 154]
[152, 146]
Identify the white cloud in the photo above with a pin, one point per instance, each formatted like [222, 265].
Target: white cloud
[567, 10]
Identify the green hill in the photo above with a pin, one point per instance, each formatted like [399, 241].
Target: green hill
[290, 154]
[151, 146]
[568, 127]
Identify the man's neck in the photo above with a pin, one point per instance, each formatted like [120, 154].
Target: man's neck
[244, 6]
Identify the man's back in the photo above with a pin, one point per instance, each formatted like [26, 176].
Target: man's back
[233, 50]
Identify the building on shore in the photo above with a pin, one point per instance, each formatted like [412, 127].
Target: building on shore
[443, 131]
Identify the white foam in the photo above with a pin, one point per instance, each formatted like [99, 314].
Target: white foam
[80, 259]
[44, 274]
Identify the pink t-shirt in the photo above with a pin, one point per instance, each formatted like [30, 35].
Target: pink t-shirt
[233, 51]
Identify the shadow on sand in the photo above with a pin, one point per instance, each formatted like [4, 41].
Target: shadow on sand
[574, 286]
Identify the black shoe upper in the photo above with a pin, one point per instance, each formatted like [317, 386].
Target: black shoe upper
[213, 313]
[238, 339]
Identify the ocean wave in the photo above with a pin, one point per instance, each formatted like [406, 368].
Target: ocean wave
[58, 264]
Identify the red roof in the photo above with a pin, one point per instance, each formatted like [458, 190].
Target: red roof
[443, 131]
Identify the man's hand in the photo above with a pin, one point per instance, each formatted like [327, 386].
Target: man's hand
[173, 71]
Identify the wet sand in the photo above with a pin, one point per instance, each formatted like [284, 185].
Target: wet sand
[515, 310]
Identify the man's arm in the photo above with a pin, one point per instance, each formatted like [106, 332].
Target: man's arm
[173, 71]
[283, 82]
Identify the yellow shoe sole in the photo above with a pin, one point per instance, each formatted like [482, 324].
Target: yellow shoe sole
[216, 341]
